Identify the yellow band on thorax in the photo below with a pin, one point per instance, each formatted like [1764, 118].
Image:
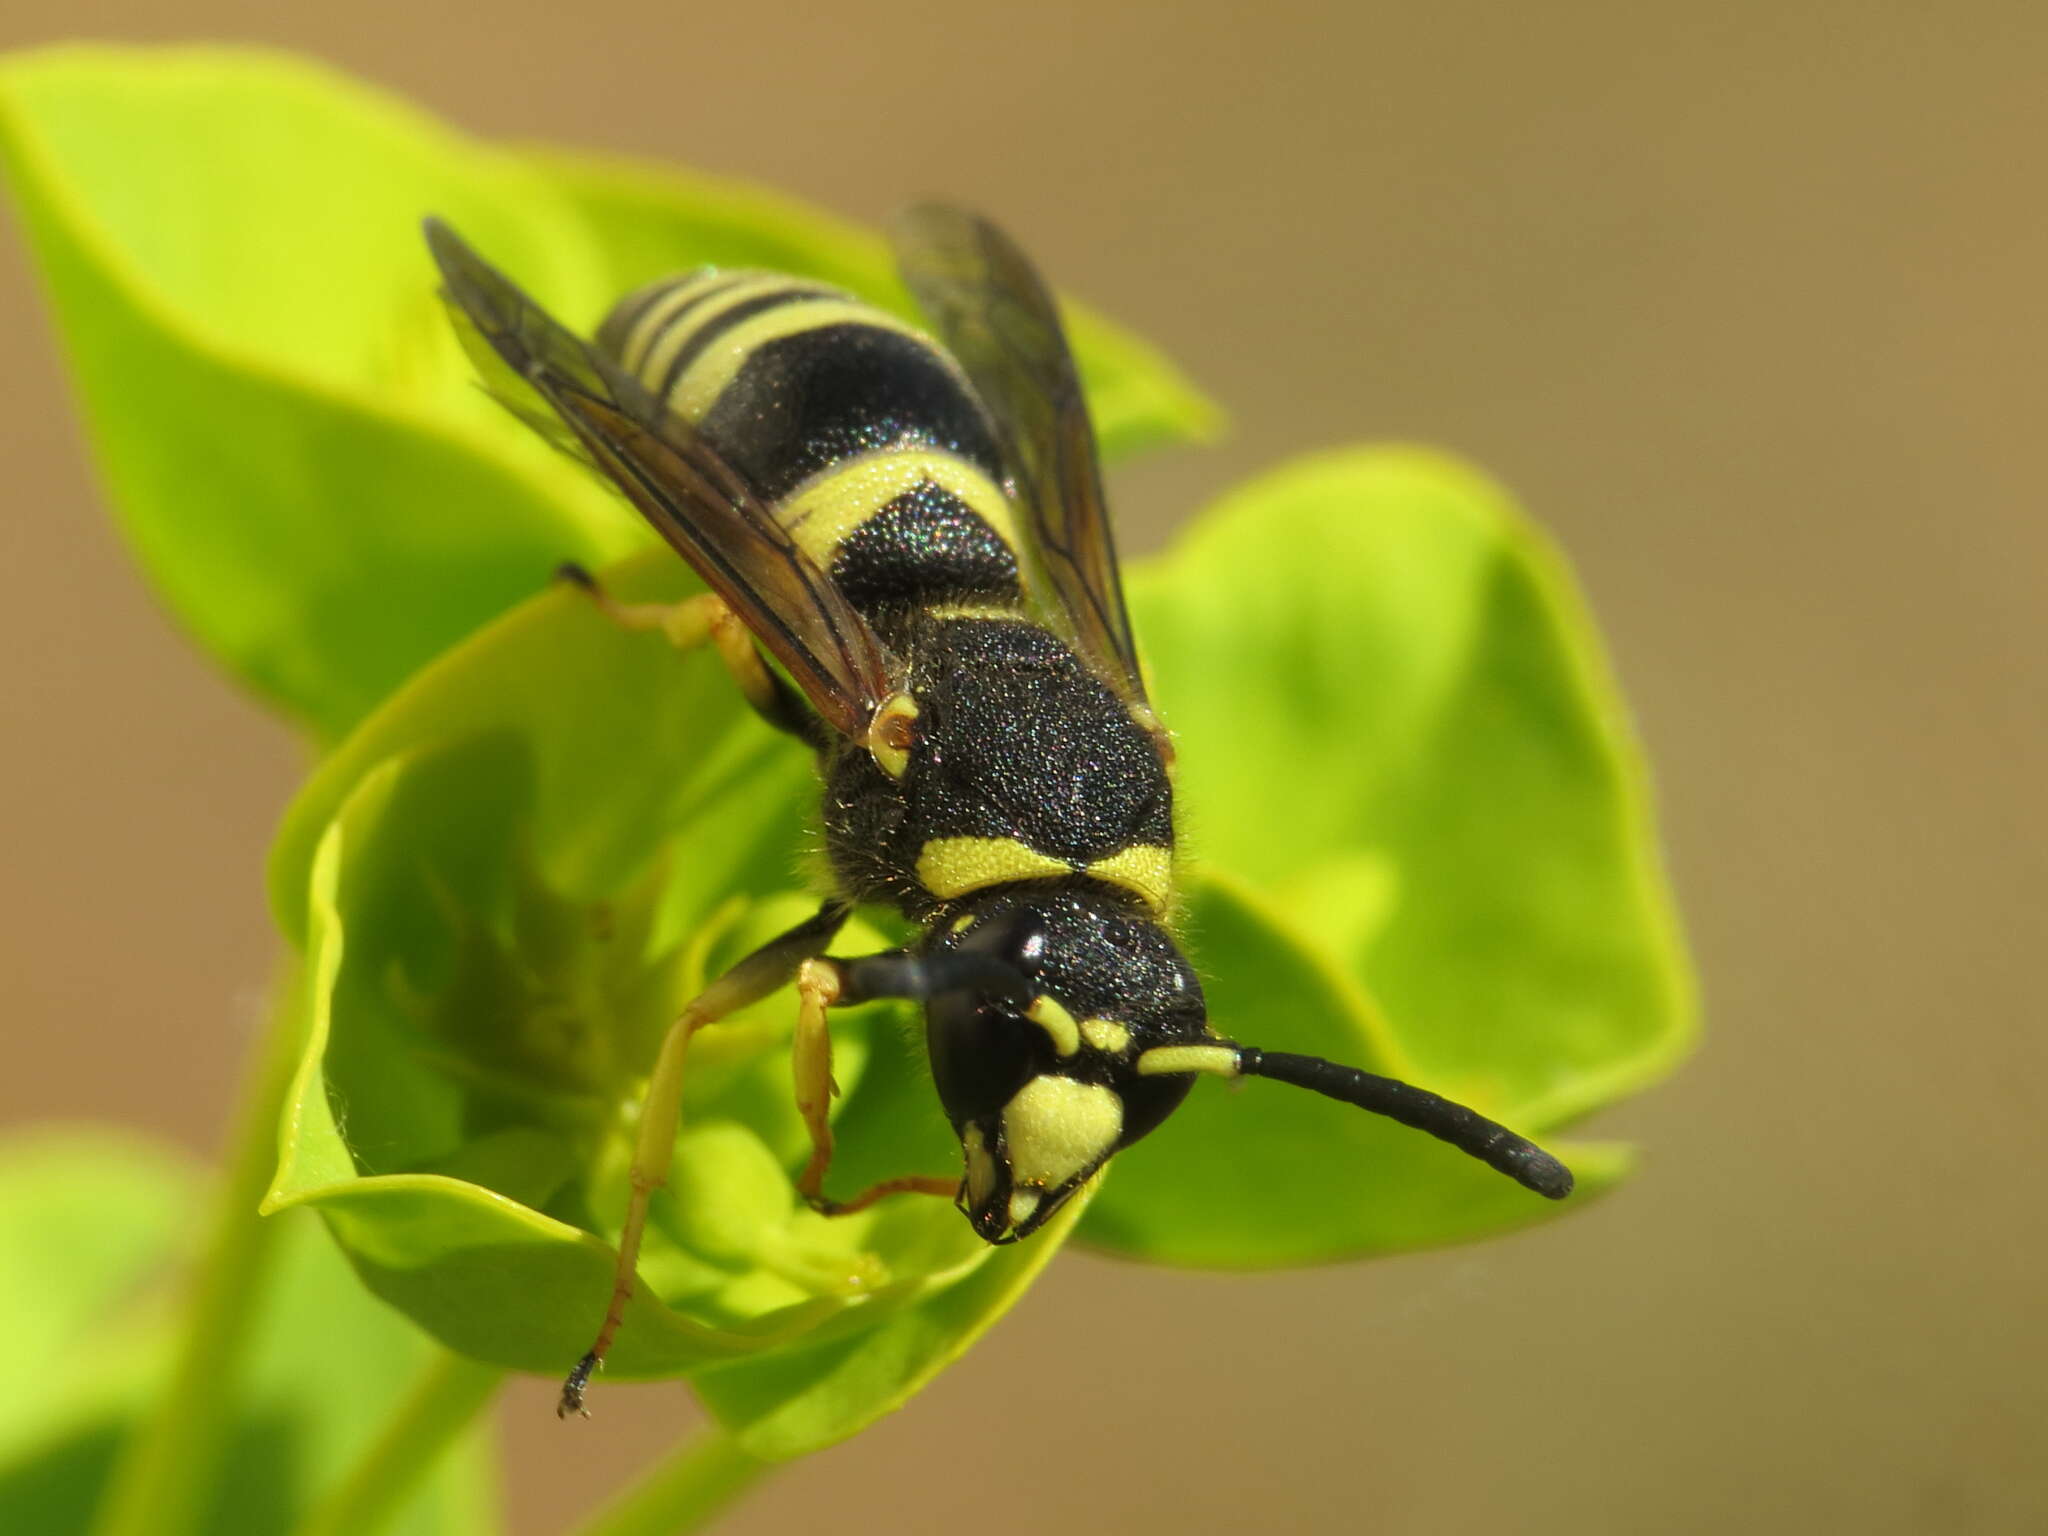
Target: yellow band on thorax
[951, 867]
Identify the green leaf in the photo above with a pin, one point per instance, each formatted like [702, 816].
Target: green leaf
[1257, 1174]
[629, 744]
[292, 439]
[1399, 743]
[800, 1400]
[92, 1224]
[507, 881]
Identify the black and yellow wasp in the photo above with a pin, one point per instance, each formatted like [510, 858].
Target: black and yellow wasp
[915, 532]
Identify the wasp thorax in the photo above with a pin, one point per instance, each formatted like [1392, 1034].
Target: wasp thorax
[1042, 1085]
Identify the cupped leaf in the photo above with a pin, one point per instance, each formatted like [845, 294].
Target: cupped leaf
[1399, 743]
[93, 1227]
[292, 439]
[507, 882]
[625, 741]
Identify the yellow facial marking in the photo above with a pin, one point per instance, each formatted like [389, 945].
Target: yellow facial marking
[981, 1165]
[893, 730]
[953, 866]
[1218, 1059]
[1106, 1035]
[707, 378]
[1024, 1204]
[821, 512]
[1049, 1016]
[1056, 1129]
[1142, 868]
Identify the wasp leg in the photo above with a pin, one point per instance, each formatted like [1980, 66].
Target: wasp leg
[820, 984]
[687, 625]
[748, 981]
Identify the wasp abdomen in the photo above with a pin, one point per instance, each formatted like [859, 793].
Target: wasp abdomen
[875, 451]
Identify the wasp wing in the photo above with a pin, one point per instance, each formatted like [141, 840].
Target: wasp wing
[695, 498]
[998, 319]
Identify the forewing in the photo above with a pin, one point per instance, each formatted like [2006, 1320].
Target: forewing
[998, 319]
[695, 499]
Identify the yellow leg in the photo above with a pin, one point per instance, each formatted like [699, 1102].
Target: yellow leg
[819, 984]
[750, 980]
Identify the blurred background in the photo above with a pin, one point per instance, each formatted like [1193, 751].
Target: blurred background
[1748, 308]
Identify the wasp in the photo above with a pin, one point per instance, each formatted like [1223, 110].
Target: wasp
[911, 528]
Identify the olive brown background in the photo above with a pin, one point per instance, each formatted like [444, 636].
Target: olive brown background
[1747, 304]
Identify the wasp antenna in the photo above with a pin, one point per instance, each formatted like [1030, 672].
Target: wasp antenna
[1419, 1109]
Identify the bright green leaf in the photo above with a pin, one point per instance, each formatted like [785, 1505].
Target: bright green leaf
[801, 1400]
[1256, 1173]
[1462, 892]
[1396, 724]
[289, 437]
[628, 743]
[507, 881]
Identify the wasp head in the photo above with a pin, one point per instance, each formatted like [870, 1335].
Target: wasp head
[1040, 1078]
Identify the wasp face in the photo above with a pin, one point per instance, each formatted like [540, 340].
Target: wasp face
[1041, 1092]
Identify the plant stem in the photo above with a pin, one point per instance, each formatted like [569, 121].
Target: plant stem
[684, 1493]
[172, 1463]
[448, 1395]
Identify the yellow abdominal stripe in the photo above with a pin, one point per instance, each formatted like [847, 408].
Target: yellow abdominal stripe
[708, 376]
[656, 338]
[825, 509]
[658, 313]
[950, 867]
